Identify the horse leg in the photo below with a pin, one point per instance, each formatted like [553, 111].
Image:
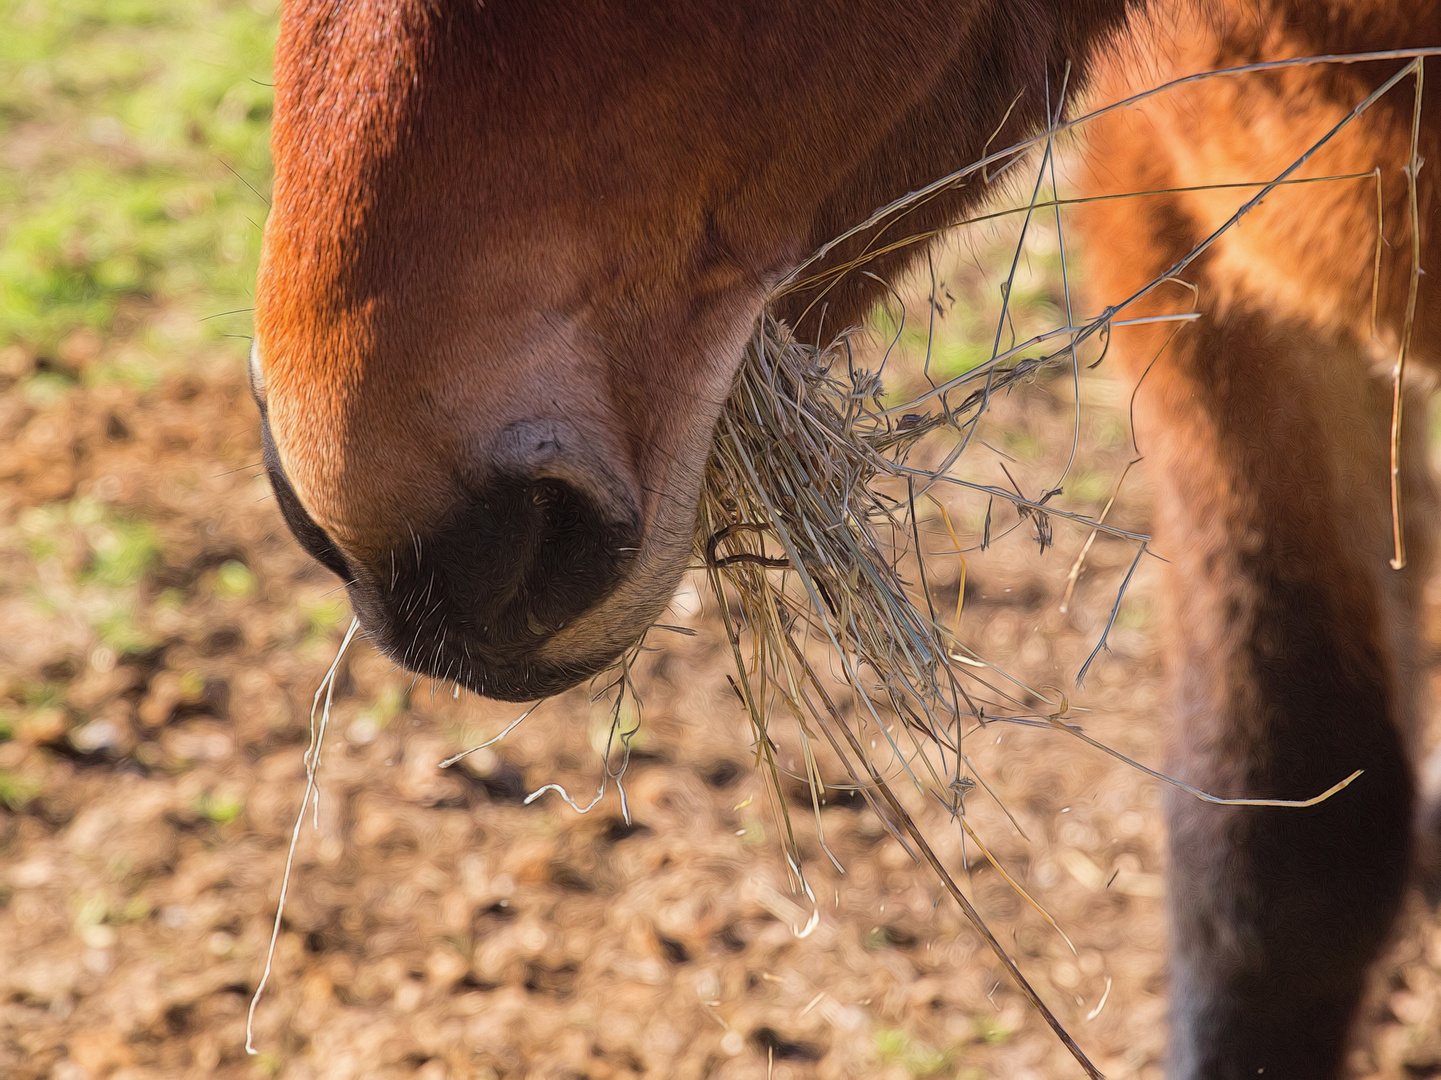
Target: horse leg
[1290, 653]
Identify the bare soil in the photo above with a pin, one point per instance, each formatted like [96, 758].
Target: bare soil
[438, 926]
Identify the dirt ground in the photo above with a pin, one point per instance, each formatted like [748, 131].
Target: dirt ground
[160, 640]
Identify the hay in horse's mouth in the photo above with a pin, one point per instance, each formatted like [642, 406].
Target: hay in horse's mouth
[810, 516]
[810, 519]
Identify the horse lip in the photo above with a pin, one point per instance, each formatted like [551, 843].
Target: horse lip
[530, 681]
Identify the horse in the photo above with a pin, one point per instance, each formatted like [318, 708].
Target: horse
[515, 252]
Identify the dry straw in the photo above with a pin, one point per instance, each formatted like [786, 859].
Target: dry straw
[810, 529]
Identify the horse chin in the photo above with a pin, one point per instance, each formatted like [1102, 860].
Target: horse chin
[595, 642]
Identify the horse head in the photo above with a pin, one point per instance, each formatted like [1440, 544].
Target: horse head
[514, 255]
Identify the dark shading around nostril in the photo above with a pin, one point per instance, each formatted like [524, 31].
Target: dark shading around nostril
[508, 567]
[302, 526]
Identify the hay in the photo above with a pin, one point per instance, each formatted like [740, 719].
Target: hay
[809, 518]
[810, 522]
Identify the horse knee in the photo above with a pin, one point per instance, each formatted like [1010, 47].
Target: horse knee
[1277, 913]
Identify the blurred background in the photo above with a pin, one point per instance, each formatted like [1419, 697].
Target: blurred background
[161, 638]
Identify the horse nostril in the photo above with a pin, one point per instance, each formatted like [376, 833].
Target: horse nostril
[507, 568]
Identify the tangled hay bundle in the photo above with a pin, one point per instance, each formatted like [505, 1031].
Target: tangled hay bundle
[811, 465]
[810, 515]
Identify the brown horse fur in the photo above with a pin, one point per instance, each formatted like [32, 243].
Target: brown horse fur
[1292, 643]
[515, 250]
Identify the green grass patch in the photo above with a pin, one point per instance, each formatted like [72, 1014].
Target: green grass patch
[324, 616]
[990, 1030]
[141, 108]
[123, 550]
[119, 630]
[106, 556]
[234, 580]
[388, 704]
[16, 791]
[42, 695]
[898, 1046]
[119, 549]
[219, 807]
[960, 332]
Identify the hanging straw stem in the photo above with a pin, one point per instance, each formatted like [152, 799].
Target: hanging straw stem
[1398, 560]
[811, 459]
[448, 762]
[928, 855]
[312, 769]
[1204, 796]
[621, 685]
[1075, 573]
[1015, 885]
[833, 273]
